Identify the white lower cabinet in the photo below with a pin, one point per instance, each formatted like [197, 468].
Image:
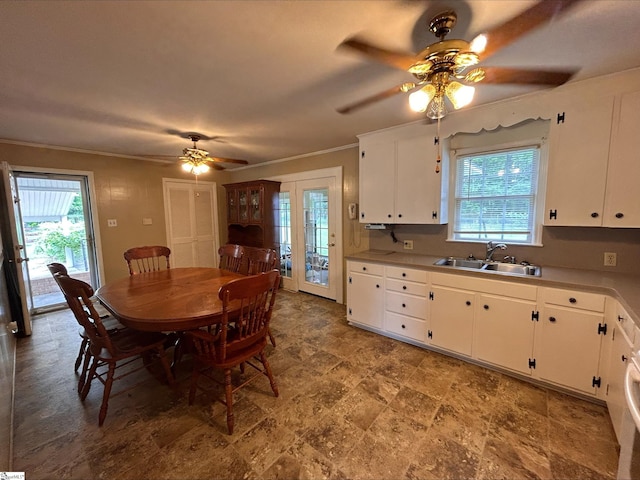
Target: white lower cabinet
[406, 302]
[365, 294]
[569, 339]
[556, 336]
[622, 338]
[451, 321]
[505, 331]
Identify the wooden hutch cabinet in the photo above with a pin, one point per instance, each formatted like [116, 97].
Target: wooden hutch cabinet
[253, 214]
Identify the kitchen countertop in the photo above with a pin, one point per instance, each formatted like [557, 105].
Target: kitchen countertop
[623, 287]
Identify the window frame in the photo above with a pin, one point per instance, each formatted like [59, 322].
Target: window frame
[538, 209]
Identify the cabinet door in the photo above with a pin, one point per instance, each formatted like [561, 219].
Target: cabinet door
[243, 205]
[578, 156]
[232, 205]
[256, 204]
[622, 208]
[451, 321]
[377, 181]
[567, 349]
[417, 184]
[504, 332]
[365, 299]
[620, 352]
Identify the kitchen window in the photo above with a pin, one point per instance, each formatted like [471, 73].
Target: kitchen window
[496, 195]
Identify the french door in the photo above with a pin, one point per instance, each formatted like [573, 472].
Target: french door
[308, 216]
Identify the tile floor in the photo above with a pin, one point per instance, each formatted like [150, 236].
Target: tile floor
[352, 405]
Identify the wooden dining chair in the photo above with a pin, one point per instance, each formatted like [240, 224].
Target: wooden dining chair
[110, 323]
[239, 339]
[231, 257]
[147, 259]
[262, 260]
[109, 351]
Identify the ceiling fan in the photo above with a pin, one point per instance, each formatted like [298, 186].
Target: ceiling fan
[196, 161]
[448, 68]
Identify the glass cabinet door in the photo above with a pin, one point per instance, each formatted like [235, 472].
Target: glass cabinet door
[256, 204]
[243, 206]
[232, 206]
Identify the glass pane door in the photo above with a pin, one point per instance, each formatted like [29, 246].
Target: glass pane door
[285, 235]
[57, 226]
[316, 237]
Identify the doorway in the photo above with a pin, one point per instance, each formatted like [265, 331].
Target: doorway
[310, 229]
[54, 218]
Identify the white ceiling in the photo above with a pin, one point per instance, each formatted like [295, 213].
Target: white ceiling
[261, 78]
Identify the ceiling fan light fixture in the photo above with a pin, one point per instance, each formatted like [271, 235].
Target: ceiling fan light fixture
[419, 100]
[459, 94]
[437, 109]
[195, 167]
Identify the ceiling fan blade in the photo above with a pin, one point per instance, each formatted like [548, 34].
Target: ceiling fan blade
[401, 60]
[405, 87]
[518, 76]
[227, 160]
[540, 13]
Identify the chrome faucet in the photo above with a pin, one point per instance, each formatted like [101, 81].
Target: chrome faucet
[492, 248]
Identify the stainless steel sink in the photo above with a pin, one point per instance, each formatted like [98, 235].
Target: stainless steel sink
[461, 262]
[512, 268]
[481, 265]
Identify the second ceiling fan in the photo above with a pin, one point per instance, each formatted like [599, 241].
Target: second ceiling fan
[448, 68]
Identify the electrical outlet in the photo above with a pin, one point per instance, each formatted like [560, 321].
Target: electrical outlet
[610, 259]
[408, 244]
[112, 222]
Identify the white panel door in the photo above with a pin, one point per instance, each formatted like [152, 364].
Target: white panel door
[191, 220]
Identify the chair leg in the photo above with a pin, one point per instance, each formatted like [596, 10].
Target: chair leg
[267, 369]
[228, 391]
[105, 396]
[273, 340]
[89, 379]
[85, 368]
[84, 346]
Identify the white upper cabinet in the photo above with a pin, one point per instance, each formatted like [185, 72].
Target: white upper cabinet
[398, 182]
[578, 152]
[594, 163]
[377, 181]
[622, 208]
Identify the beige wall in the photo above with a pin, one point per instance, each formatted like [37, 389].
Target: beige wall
[126, 190]
[129, 190]
[572, 247]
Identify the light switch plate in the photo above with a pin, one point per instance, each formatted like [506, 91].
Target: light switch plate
[147, 221]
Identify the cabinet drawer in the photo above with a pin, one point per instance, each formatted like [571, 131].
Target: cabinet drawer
[573, 299]
[368, 268]
[406, 326]
[406, 305]
[409, 274]
[625, 322]
[410, 288]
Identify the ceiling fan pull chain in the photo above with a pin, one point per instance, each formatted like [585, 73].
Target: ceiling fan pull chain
[439, 147]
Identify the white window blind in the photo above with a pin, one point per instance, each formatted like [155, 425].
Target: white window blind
[495, 195]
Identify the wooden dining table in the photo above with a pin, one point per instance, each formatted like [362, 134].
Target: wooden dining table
[176, 299]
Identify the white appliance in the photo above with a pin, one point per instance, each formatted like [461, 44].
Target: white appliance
[629, 462]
